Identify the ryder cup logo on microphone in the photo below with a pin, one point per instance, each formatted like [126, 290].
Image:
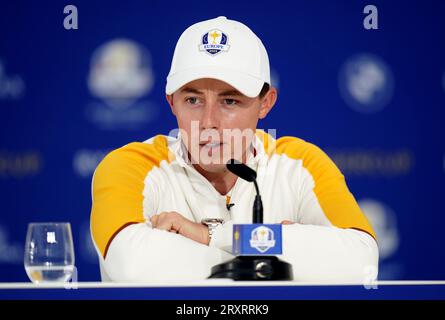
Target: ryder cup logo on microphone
[262, 239]
[213, 42]
[257, 238]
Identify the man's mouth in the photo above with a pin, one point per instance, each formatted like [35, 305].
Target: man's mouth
[212, 147]
[210, 144]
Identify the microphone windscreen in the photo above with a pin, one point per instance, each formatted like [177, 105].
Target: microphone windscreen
[241, 170]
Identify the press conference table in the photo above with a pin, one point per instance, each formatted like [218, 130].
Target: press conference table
[227, 289]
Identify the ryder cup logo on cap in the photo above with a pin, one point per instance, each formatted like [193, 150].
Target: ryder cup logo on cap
[262, 239]
[214, 42]
[220, 49]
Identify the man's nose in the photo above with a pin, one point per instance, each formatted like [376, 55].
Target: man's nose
[210, 117]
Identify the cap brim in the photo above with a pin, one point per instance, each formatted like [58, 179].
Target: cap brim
[246, 84]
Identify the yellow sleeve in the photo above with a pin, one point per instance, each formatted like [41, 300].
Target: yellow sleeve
[117, 188]
[332, 193]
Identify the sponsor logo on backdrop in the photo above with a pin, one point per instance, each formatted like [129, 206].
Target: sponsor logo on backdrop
[85, 161]
[10, 252]
[384, 221]
[382, 163]
[22, 164]
[366, 83]
[12, 86]
[120, 78]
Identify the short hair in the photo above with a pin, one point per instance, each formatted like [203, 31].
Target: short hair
[264, 90]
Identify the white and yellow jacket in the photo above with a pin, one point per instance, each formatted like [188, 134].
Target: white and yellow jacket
[331, 241]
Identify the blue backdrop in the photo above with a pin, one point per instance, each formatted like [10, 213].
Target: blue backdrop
[374, 100]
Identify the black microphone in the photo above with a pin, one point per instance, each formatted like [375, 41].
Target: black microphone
[248, 174]
[255, 245]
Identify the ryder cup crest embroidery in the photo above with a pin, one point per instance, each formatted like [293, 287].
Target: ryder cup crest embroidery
[213, 42]
[262, 238]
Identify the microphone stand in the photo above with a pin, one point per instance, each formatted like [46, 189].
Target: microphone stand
[252, 267]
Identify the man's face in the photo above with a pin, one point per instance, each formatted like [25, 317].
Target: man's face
[217, 122]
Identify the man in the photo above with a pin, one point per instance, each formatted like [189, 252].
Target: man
[163, 210]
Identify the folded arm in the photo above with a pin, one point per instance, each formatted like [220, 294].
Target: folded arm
[129, 248]
[139, 253]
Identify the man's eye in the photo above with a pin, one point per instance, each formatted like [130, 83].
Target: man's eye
[192, 100]
[231, 102]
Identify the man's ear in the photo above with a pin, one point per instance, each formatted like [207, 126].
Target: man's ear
[169, 98]
[267, 102]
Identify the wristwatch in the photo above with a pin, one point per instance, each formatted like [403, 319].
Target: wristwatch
[212, 223]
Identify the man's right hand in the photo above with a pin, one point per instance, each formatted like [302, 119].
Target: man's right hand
[177, 223]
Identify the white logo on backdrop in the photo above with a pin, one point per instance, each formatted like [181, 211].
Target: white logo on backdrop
[85, 161]
[10, 252]
[384, 222]
[120, 76]
[11, 86]
[366, 83]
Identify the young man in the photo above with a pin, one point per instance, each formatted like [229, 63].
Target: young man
[163, 210]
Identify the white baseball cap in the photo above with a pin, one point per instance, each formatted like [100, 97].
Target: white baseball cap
[221, 49]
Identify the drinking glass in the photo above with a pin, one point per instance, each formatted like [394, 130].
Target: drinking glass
[49, 252]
